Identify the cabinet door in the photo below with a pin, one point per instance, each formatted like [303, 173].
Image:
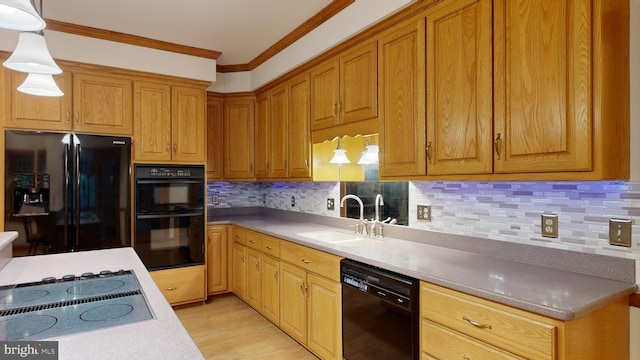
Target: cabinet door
[238, 270]
[293, 301]
[152, 121]
[359, 84]
[325, 322]
[188, 130]
[254, 288]
[279, 136]
[102, 104]
[543, 85]
[263, 136]
[215, 139]
[270, 306]
[325, 80]
[24, 111]
[216, 259]
[299, 132]
[459, 88]
[401, 63]
[239, 139]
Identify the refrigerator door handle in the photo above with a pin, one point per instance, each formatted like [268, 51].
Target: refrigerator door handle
[76, 197]
[65, 194]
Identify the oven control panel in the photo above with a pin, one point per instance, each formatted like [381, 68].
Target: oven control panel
[165, 172]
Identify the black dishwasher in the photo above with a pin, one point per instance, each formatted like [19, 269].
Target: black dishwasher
[380, 313]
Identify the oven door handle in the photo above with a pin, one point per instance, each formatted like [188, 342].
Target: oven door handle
[165, 215]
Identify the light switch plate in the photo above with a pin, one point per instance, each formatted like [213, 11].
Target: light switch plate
[620, 232]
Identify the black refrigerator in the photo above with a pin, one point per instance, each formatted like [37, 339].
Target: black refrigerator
[67, 192]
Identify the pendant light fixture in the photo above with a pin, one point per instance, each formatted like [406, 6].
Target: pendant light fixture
[20, 15]
[40, 85]
[369, 155]
[31, 54]
[339, 155]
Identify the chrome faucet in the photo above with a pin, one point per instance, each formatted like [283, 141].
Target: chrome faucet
[379, 202]
[362, 223]
[376, 224]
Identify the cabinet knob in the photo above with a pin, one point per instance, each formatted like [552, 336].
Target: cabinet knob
[77, 118]
[68, 116]
[171, 288]
[305, 261]
[429, 152]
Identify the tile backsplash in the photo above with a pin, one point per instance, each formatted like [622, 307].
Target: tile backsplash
[504, 211]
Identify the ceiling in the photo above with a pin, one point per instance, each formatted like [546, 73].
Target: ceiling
[240, 29]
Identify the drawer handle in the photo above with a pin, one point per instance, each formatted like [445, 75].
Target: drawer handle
[466, 357]
[238, 236]
[171, 288]
[269, 247]
[252, 241]
[305, 261]
[476, 324]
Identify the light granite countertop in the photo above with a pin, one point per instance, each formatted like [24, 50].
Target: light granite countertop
[559, 294]
[163, 337]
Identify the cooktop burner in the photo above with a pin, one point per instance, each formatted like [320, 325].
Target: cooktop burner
[54, 307]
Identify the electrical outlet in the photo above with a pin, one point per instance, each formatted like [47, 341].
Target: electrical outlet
[330, 204]
[215, 200]
[424, 212]
[264, 198]
[549, 225]
[293, 201]
[620, 232]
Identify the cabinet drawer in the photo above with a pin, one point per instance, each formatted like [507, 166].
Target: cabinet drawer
[525, 334]
[311, 260]
[437, 342]
[181, 285]
[253, 240]
[271, 246]
[238, 235]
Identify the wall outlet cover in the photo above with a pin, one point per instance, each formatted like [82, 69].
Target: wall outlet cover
[424, 212]
[549, 225]
[293, 201]
[331, 205]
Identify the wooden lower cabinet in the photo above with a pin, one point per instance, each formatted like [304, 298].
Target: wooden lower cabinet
[303, 299]
[181, 285]
[270, 298]
[456, 325]
[311, 306]
[238, 270]
[217, 259]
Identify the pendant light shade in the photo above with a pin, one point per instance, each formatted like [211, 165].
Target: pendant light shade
[370, 155]
[20, 15]
[339, 155]
[40, 85]
[32, 56]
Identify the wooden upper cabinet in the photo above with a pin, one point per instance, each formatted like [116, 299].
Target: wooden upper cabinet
[299, 131]
[401, 66]
[102, 104]
[188, 106]
[459, 88]
[345, 90]
[215, 139]
[279, 135]
[239, 117]
[263, 136]
[152, 121]
[26, 111]
[543, 86]
[92, 103]
[169, 122]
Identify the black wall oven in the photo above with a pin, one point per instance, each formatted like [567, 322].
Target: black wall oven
[169, 215]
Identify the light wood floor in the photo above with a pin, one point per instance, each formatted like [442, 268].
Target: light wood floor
[226, 328]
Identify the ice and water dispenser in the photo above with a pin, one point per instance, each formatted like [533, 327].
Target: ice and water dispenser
[30, 194]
